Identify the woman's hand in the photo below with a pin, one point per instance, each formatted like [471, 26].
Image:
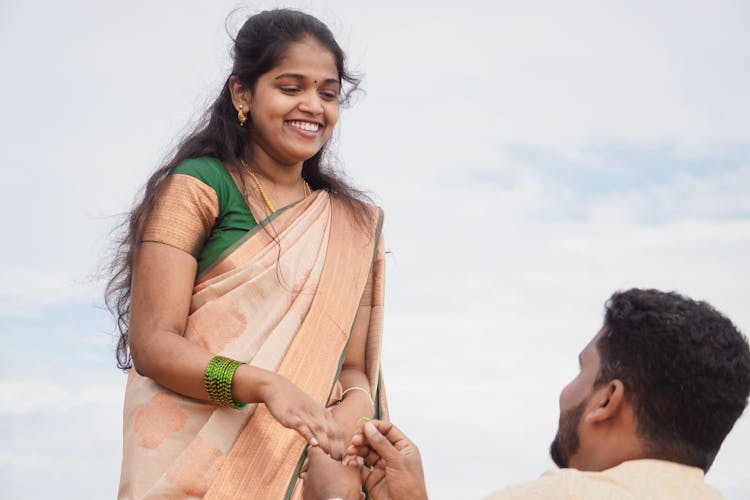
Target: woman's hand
[295, 409]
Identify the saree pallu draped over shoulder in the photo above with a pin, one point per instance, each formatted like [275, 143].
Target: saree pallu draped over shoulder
[283, 298]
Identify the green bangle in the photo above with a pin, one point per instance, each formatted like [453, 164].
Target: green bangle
[218, 380]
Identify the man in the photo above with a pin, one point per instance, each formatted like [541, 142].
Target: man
[659, 388]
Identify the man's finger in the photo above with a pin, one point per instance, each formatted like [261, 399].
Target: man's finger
[358, 451]
[379, 443]
[358, 439]
[371, 477]
[390, 431]
[369, 456]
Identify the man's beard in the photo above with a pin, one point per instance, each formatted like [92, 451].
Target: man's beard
[566, 441]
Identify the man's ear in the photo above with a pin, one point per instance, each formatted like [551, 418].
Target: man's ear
[606, 402]
[241, 95]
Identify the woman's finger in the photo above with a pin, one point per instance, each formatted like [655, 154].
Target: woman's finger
[306, 433]
[336, 438]
[305, 466]
[321, 433]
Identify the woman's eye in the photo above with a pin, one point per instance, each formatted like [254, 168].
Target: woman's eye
[329, 95]
[290, 90]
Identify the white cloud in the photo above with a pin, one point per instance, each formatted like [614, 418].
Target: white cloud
[26, 398]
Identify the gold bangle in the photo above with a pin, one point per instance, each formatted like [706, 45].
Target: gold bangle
[361, 420]
[363, 390]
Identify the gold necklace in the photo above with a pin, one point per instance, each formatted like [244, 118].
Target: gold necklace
[305, 187]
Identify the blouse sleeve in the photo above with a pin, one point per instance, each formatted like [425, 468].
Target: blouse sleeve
[184, 214]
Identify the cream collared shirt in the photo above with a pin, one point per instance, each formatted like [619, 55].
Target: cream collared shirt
[635, 479]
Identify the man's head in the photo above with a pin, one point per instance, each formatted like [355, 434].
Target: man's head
[666, 377]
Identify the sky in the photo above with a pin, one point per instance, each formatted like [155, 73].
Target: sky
[531, 158]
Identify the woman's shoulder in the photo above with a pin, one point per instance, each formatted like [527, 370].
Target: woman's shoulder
[375, 210]
[209, 170]
[363, 213]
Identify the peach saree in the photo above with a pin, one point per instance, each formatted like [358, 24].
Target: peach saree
[285, 303]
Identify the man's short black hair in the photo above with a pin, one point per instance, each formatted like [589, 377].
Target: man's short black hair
[685, 366]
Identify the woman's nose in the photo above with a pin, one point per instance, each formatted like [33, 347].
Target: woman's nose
[311, 103]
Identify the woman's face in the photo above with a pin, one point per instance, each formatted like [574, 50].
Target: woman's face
[296, 104]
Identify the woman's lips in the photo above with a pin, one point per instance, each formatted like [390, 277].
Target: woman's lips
[308, 128]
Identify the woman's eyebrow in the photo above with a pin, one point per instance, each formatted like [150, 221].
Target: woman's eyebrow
[298, 76]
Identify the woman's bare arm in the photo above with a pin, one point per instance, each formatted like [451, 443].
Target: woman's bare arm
[355, 404]
[163, 279]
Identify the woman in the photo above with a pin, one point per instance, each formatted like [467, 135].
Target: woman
[225, 301]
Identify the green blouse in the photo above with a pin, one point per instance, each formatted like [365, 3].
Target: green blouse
[234, 219]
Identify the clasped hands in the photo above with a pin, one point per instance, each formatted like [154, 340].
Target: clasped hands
[380, 457]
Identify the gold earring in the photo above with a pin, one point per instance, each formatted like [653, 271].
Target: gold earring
[241, 116]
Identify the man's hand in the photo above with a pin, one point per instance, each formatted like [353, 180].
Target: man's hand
[327, 479]
[395, 471]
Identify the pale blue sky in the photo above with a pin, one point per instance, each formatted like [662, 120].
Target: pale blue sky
[531, 159]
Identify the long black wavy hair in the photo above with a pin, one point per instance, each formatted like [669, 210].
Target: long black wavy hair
[258, 47]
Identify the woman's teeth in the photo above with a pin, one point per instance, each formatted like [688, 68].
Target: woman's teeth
[310, 127]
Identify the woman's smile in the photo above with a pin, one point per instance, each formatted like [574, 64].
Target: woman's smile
[307, 128]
